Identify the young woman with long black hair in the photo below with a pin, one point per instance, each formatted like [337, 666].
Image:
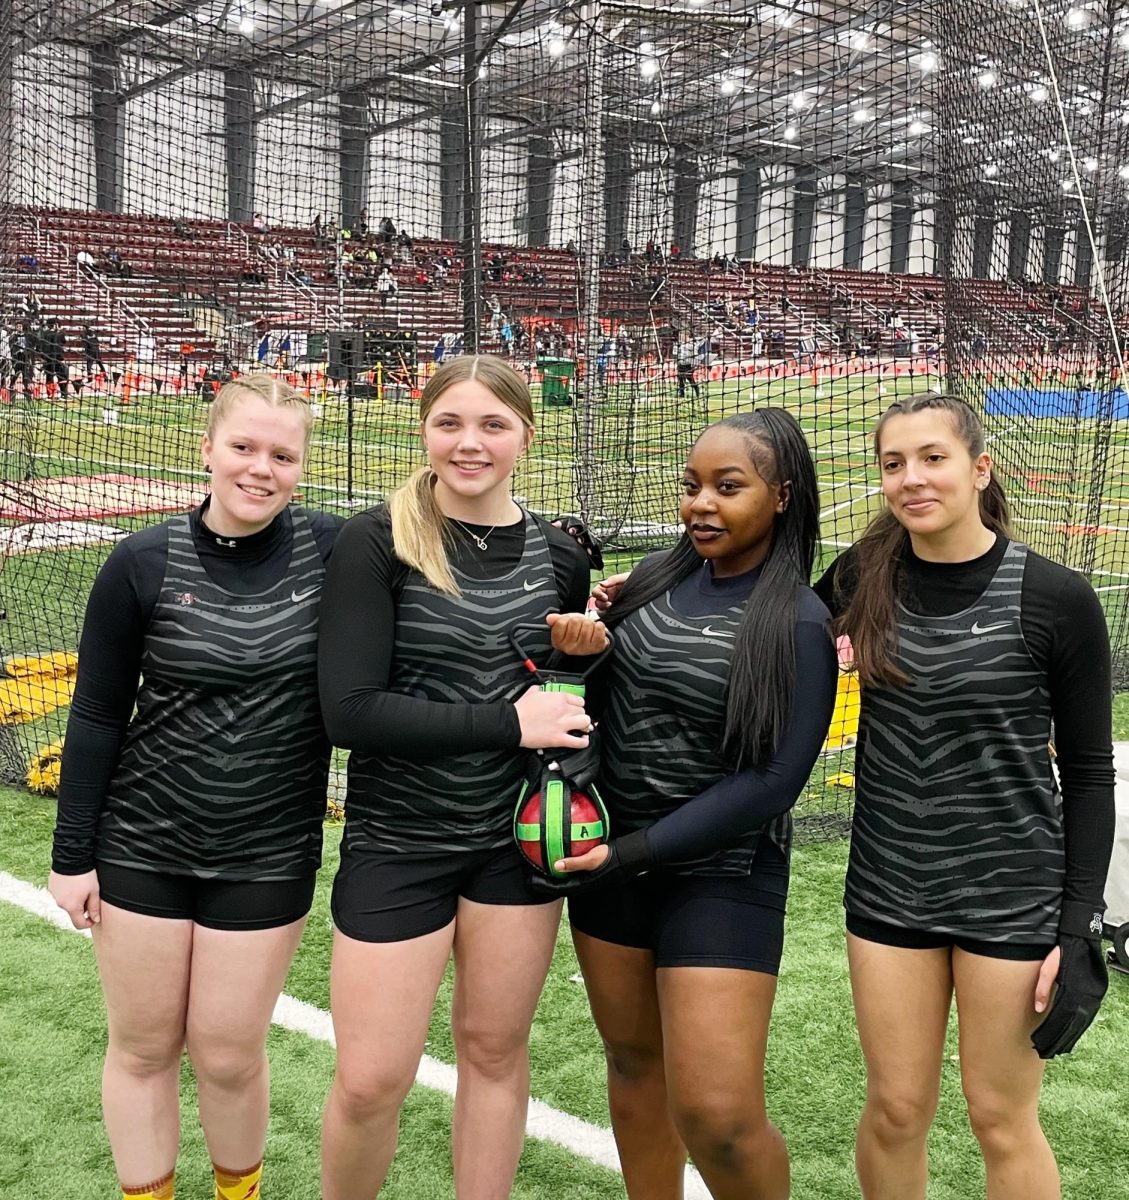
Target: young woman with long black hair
[970, 873]
[189, 830]
[420, 682]
[718, 698]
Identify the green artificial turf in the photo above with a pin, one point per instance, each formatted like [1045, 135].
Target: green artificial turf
[52, 1033]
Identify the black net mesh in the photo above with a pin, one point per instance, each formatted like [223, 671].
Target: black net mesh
[659, 213]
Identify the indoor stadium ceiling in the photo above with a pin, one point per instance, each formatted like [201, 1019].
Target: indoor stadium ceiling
[868, 89]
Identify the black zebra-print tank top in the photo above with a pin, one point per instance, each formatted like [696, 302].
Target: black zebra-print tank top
[958, 824]
[224, 766]
[455, 650]
[661, 734]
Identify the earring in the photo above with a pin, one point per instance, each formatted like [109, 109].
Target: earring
[207, 468]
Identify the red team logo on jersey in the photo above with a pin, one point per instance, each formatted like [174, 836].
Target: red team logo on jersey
[186, 598]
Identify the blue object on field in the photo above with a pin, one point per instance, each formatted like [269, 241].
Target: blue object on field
[1061, 402]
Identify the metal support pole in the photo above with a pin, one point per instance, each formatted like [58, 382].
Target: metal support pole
[591, 233]
[472, 182]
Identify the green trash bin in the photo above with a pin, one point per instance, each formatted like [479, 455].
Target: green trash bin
[556, 380]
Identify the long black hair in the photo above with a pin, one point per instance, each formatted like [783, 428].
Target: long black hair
[762, 674]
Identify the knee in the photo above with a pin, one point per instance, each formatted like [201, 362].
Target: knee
[232, 1067]
[143, 1056]
[899, 1117]
[365, 1092]
[493, 1053]
[997, 1120]
[633, 1063]
[723, 1136]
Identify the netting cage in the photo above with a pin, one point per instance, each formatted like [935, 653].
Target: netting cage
[659, 214]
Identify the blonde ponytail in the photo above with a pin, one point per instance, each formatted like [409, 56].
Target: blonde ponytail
[420, 531]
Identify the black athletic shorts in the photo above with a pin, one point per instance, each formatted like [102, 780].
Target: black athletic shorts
[393, 896]
[734, 921]
[234, 904]
[921, 939]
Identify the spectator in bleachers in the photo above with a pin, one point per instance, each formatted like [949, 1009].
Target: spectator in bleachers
[625, 249]
[361, 225]
[87, 264]
[181, 229]
[387, 229]
[5, 357]
[319, 232]
[252, 273]
[570, 247]
[259, 223]
[114, 264]
[298, 276]
[440, 269]
[675, 250]
[776, 343]
[785, 301]
[27, 264]
[386, 286]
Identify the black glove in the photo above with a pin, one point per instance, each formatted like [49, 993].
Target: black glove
[628, 855]
[578, 531]
[1082, 981]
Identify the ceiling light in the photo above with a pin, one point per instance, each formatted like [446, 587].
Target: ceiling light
[1039, 93]
[1067, 185]
[987, 79]
[789, 133]
[247, 25]
[1090, 164]
[656, 108]
[1077, 18]
[860, 116]
[557, 47]
[916, 128]
[728, 87]
[927, 61]
[801, 100]
[649, 68]
[991, 169]
[646, 47]
[1123, 172]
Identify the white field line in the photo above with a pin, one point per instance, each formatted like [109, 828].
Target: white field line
[542, 1122]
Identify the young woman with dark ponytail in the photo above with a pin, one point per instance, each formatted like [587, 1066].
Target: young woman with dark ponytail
[970, 873]
[420, 682]
[718, 698]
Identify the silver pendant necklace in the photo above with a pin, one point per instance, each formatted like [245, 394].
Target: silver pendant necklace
[479, 541]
